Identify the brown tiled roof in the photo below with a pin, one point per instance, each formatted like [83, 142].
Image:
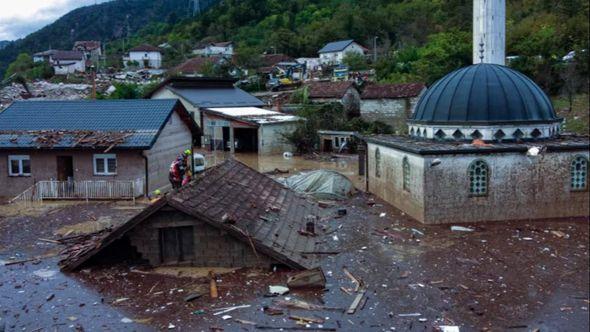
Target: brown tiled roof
[392, 91]
[248, 205]
[195, 65]
[329, 89]
[145, 48]
[67, 55]
[222, 44]
[86, 45]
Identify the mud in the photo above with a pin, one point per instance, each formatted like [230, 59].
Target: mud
[502, 276]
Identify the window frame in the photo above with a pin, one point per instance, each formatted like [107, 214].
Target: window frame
[571, 164]
[487, 179]
[406, 169]
[20, 158]
[105, 157]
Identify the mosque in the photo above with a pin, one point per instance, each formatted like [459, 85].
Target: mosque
[484, 144]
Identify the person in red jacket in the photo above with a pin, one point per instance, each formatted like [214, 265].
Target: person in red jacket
[177, 170]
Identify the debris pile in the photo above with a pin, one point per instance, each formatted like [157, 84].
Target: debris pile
[78, 245]
[43, 90]
[72, 138]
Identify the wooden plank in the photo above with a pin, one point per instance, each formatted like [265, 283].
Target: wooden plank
[357, 300]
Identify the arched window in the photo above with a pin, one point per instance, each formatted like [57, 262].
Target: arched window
[406, 174]
[478, 178]
[579, 173]
[377, 163]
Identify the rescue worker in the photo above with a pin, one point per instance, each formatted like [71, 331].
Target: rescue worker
[176, 174]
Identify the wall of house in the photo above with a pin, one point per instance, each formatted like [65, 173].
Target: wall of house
[520, 187]
[394, 112]
[389, 186]
[130, 166]
[270, 138]
[69, 67]
[164, 93]
[335, 58]
[175, 138]
[212, 247]
[154, 58]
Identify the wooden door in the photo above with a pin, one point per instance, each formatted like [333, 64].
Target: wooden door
[176, 244]
[65, 168]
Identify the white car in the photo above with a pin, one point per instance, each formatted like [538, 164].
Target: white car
[199, 163]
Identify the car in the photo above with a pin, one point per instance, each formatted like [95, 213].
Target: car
[199, 163]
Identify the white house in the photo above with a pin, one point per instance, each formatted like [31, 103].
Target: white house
[225, 49]
[67, 62]
[333, 53]
[147, 56]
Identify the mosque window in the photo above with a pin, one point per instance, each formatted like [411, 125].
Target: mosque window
[406, 174]
[518, 134]
[412, 131]
[536, 133]
[458, 135]
[499, 135]
[476, 135]
[440, 134]
[579, 173]
[478, 178]
[377, 163]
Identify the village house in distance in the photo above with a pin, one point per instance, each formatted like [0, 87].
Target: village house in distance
[144, 56]
[333, 53]
[484, 144]
[71, 147]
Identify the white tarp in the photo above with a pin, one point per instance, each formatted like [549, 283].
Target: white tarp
[321, 184]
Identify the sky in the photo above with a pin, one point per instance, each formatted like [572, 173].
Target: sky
[18, 18]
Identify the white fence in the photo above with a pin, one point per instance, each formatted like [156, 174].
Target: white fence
[82, 190]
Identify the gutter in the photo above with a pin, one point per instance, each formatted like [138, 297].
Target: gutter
[147, 179]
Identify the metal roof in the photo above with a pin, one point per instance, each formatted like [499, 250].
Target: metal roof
[253, 115]
[336, 46]
[140, 119]
[484, 93]
[206, 97]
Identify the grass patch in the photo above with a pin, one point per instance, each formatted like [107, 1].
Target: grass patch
[576, 119]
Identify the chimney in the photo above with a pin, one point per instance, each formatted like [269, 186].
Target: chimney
[489, 29]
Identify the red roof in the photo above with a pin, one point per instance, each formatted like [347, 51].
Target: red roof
[392, 91]
[145, 48]
[329, 89]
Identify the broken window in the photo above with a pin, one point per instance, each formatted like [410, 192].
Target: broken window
[176, 244]
[105, 164]
[377, 163]
[19, 165]
[579, 173]
[478, 178]
[406, 174]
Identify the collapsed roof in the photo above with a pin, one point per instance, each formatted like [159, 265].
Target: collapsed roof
[250, 206]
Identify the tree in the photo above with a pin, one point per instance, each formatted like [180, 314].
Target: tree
[355, 61]
[22, 63]
[444, 52]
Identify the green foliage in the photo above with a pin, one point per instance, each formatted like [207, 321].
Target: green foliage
[26, 68]
[355, 61]
[124, 91]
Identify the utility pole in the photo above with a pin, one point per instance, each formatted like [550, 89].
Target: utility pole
[375, 49]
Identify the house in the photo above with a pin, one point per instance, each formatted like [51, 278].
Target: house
[67, 62]
[91, 48]
[224, 49]
[333, 53]
[343, 92]
[390, 103]
[229, 216]
[484, 144]
[247, 129]
[335, 141]
[144, 56]
[198, 66]
[198, 93]
[311, 64]
[93, 141]
[43, 56]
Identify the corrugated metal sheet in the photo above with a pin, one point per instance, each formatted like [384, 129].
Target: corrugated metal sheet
[336, 46]
[217, 97]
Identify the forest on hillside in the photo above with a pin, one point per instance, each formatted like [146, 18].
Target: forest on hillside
[416, 39]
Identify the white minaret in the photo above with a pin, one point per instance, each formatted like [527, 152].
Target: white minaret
[489, 29]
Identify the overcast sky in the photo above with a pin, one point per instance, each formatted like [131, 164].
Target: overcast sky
[18, 18]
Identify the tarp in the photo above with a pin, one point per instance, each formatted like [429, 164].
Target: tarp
[321, 184]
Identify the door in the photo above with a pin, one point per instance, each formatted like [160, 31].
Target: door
[65, 168]
[176, 244]
[328, 145]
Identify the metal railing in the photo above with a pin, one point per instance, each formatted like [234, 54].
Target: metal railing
[82, 190]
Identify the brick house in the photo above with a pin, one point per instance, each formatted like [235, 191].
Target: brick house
[390, 103]
[102, 140]
[229, 216]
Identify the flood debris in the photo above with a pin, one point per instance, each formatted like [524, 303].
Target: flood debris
[220, 311]
[278, 290]
[357, 300]
[213, 285]
[192, 297]
[461, 229]
[309, 279]
[307, 320]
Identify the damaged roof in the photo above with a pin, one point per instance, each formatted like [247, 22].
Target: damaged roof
[392, 91]
[328, 89]
[253, 115]
[132, 124]
[233, 197]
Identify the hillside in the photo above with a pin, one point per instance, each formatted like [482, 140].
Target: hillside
[104, 22]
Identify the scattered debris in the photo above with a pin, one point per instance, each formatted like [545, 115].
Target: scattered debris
[448, 328]
[461, 229]
[213, 285]
[356, 302]
[414, 314]
[229, 309]
[307, 319]
[314, 278]
[278, 290]
[192, 297]
[272, 311]
[126, 320]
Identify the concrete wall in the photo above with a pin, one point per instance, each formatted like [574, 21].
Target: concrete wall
[520, 187]
[270, 138]
[335, 58]
[154, 58]
[69, 67]
[394, 112]
[130, 166]
[212, 247]
[389, 186]
[164, 93]
[173, 140]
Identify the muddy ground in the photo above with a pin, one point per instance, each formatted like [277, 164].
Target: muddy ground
[517, 276]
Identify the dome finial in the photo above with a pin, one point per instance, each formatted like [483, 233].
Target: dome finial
[481, 51]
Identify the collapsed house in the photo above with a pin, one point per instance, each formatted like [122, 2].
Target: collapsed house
[76, 149]
[229, 216]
